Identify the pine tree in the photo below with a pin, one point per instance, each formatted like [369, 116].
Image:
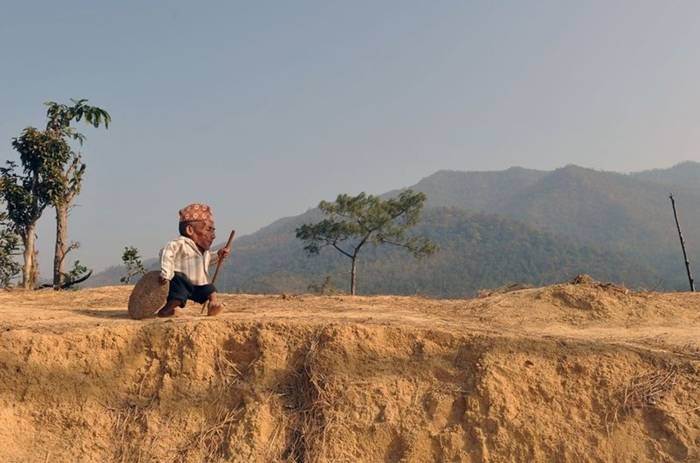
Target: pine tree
[354, 221]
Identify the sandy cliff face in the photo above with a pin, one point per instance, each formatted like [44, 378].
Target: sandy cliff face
[582, 372]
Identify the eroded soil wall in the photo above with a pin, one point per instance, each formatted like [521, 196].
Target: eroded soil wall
[224, 390]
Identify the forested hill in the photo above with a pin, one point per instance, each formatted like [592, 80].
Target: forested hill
[475, 191]
[685, 174]
[495, 228]
[476, 251]
[628, 213]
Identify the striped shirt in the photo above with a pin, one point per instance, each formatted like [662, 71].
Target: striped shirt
[183, 255]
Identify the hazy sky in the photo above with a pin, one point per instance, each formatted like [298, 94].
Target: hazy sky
[264, 108]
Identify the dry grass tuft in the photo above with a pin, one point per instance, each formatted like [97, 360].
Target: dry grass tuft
[644, 390]
[210, 443]
[314, 423]
[227, 372]
[129, 425]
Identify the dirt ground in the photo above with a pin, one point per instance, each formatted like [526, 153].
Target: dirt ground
[565, 373]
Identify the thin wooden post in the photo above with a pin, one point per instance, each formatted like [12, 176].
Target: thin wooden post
[685, 255]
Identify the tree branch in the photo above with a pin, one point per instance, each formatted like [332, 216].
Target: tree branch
[360, 244]
[342, 251]
[401, 245]
[68, 284]
[71, 247]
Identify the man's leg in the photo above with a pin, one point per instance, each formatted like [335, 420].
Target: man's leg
[215, 307]
[207, 293]
[181, 289]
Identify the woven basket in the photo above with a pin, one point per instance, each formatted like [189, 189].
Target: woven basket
[147, 296]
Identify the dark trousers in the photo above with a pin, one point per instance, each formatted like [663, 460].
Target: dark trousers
[182, 289]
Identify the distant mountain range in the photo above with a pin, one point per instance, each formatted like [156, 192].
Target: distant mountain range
[497, 228]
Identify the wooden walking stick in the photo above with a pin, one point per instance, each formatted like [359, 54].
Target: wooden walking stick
[218, 265]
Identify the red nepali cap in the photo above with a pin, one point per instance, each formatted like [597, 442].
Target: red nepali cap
[196, 213]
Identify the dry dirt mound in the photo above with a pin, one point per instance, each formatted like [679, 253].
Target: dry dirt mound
[575, 372]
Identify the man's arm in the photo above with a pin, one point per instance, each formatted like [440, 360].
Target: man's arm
[167, 262]
[221, 254]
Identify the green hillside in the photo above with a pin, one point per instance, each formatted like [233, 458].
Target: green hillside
[476, 251]
[496, 228]
[628, 214]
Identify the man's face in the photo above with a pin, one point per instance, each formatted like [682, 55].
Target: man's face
[203, 234]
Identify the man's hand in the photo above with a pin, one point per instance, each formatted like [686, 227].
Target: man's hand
[223, 253]
[163, 281]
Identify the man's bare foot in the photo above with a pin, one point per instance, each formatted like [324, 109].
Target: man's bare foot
[171, 313]
[170, 309]
[214, 309]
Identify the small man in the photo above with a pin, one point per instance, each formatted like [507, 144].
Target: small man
[185, 262]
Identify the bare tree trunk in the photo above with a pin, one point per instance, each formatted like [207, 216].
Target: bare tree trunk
[29, 267]
[353, 276]
[35, 268]
[60, 249]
